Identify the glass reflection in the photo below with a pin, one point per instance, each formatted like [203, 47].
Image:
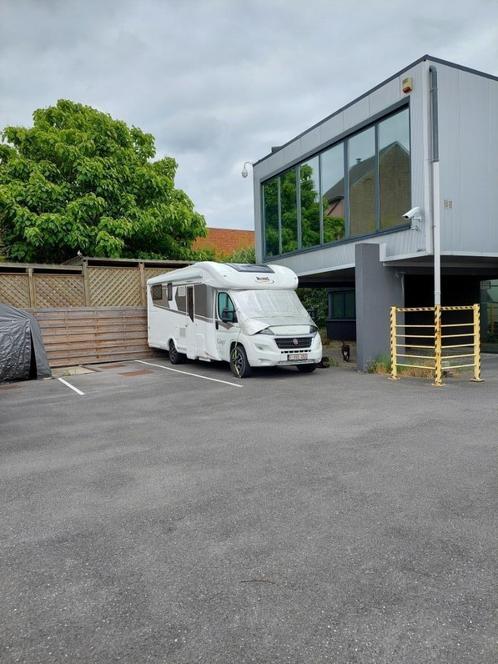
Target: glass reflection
[288, 202]
[332, 181]
[394, 169]
[361, 164]
[270, 194]
[310, 203]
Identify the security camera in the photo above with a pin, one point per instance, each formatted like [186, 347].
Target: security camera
[415, 212]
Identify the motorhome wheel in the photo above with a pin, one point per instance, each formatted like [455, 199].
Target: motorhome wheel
[239, 363]
[174, 356]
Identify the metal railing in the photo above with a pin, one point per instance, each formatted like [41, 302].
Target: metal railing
[433, 344]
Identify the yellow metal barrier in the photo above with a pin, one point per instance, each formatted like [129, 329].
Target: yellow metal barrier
[438, 355]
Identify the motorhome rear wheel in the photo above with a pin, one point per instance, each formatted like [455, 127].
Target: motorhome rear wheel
[174, 356]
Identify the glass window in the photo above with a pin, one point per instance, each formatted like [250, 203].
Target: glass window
[288, 206]
[361, 164]
[394, 169]
[378, 178]
[337, 308]
[156, 292]
[309, 191]
[170, 291]
[342, 304]
[349, 304]
[270, 304]
[332, 180]
[226, 309]
[270, 198]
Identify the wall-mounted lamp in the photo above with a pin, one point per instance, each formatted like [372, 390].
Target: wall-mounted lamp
[245, 172]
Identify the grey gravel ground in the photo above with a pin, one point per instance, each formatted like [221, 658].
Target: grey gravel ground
[332, 517]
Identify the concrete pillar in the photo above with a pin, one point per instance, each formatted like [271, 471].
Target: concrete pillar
[377, 289]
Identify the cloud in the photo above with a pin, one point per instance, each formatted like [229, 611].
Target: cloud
[219, 82]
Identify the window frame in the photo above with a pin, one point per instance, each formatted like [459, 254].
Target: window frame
[218, 313]
[399, 107]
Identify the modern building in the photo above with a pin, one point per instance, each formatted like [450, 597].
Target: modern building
[364, 201]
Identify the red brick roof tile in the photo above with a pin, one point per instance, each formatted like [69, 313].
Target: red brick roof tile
[224, 241]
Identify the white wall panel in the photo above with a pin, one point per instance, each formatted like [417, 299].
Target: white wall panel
[356, 113]
[468, 140]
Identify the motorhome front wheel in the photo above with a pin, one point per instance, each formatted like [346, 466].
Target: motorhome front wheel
[239, 363]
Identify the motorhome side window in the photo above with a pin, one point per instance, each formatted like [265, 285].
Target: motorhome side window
[170, 292]
[156, 292]
[226, 309]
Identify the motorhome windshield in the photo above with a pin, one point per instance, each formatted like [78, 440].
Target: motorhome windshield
[270, 304]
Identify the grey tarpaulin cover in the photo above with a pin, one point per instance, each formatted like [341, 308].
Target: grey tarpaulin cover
[22, 354]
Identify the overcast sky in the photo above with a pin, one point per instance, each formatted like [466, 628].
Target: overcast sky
[219, 82]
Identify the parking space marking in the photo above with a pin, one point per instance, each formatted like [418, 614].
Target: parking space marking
[72, 387]
[188, 373]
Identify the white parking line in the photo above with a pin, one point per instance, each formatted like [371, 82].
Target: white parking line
[188, 373]
[72, 387]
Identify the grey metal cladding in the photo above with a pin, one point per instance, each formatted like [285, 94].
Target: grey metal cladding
[203, 300]
[394, 77]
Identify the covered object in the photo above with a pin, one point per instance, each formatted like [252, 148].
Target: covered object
[22, 354]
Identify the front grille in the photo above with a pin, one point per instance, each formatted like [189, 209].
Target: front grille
[288, 343]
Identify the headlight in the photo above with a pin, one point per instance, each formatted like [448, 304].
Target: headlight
[313, 329]
[266, 331]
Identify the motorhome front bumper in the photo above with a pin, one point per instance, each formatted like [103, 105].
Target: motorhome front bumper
[267, 351]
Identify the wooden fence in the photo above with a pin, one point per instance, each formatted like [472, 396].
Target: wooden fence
[90, 335]
[94, 286]
[92, 310]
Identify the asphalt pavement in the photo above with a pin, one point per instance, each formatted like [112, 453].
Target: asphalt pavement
[162, 516]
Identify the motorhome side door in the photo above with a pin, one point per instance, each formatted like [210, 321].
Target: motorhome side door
[190, 324]
[225, 323]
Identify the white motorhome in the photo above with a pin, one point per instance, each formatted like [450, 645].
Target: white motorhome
[247, 315]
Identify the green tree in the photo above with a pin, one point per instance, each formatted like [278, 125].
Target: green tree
[245, 255]
[270, 192]
[315, 301]
[80, 180]
[310, 206]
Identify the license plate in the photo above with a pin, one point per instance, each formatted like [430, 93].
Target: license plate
[298, 357]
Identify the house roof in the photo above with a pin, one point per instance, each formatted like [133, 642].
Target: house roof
[360, 170]
[224, 241]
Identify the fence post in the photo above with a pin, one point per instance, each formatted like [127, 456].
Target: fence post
[477, 344]
[438, 362]
[86, 285]
[143, 301]
[31, 287]
[394, 354]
